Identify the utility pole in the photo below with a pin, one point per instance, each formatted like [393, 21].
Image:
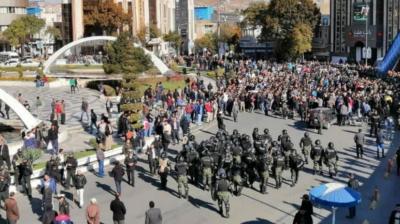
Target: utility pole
[365, 13]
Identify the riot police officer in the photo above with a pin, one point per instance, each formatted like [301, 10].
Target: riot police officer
[222, 190]
[207, 164]
[181, 167]
[305, 145]
[255, 134]
[296, 163]
[316, 155]
[4, 188]
[192, 158]
[237, 151]
[267, 136]
[279, 164]
[283, 138]
[264, 163]
[250, 160]
[237, 170]
[331, 158]
[286, 149]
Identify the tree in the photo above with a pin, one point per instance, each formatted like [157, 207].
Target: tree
[22, 30]
[229, 33]
[279, 20]
[174, 38]
[255, 14]
[107, 16]
[208, 41]
[123, 57]
[54, 33]
[302, 37]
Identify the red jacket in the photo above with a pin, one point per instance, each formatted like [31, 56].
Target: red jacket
[208, 107]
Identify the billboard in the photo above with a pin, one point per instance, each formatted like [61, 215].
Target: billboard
[359, 11]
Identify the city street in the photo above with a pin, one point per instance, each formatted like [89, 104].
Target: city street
[278, 206]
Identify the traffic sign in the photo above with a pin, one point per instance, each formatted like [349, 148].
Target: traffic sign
[367, 53]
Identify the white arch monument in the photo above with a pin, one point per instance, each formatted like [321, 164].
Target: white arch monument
[160, 65]
[26, 117]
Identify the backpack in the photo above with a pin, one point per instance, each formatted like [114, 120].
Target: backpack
[107, 132]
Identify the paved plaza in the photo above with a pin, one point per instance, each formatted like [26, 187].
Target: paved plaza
[278, 206]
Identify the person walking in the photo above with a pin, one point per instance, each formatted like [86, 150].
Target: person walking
[235, 110]
[11, 207]
[100, 157]
[130, 163]
[118, 209]
[380, 143]
[118, 172]
[63, 205]
[38, 104]
[7, 109]
[93, 212]
[84, 109]
[52, 135]
[359, 139]
[153, 215]
[93, 121]
[354, 184]
[79, 183]
[71, 164]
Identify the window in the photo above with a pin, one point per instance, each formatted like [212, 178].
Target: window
[11, 9]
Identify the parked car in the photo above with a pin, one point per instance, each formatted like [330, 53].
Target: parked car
[11, 62]
[29, 62]
[328, 114]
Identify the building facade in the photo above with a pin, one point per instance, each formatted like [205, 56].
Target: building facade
[9, 11]
[351, 32]
[184, 17]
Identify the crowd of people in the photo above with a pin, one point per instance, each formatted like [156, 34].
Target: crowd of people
[228, 161]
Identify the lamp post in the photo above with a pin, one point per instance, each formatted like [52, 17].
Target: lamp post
[365, 12]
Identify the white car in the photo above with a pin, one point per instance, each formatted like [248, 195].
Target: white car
[29, 63]
[11, 63]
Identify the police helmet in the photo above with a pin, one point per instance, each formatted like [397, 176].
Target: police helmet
[222, 175]
[266, 131]
[306, 134]
[317, 142]
[192, 138]
[235, 132]
[284, 131]
[255, 130]
[274, 143]
[331, 145]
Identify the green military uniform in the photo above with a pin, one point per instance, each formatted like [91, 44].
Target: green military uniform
[236, 177]
[279, 164]
[305, 145]
[222, 189]
[263, 169]
[316, 156]
[207, 163]
[331, 159]
[181, 168]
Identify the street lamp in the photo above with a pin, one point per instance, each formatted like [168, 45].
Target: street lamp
[365, 12]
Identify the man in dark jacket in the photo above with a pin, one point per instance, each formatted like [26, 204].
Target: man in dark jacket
[71, 163]
[80, 182]
[301, 217]
[48, 215]
[4, 153]
[153, 215]
[130, 163]
[52, 135]
[307, 206]
[118, 209]
[359, 139]
[118, 172]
